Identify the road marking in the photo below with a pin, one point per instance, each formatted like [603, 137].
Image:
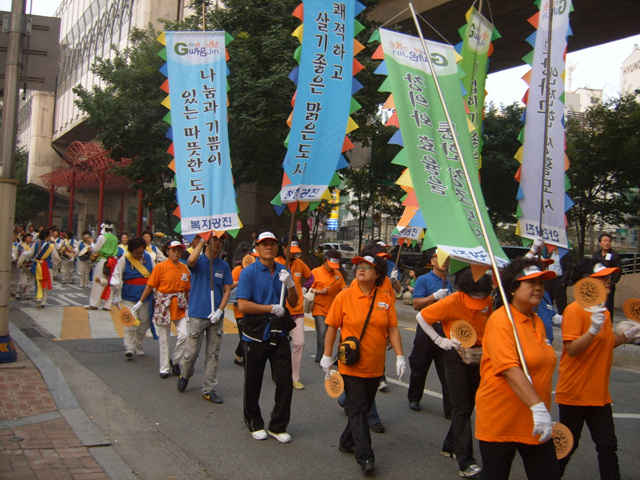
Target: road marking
[75, 324]
[627, 415]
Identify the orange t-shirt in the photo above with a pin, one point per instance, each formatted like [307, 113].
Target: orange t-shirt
[235, 276]
[169, 278]
[386, 286]
[349, 312]
[300, 272]
[322, 279]
[455, 307]
[500, 414]
[583, 380]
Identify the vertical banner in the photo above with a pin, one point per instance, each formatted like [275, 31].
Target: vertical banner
[197, 84]
[323, 103]
[542, 173]
[438, 179]
[334, 215]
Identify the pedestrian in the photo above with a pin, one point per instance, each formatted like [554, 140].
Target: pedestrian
[123, 245]
[154, 251]
[84, 258]
[512, 411]
[265, 330]
[206, 314]
[170, 281]
[106, 249]
[610, 259]
[327, 283]
[25, 283]
[472, 303]
[43, 253]
[429, 288]
[129, 281]
[349, 314]
[582, 392]
[68, 252]
[56, 240]
[300, 273]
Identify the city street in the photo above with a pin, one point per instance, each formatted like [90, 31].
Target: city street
[161, 433]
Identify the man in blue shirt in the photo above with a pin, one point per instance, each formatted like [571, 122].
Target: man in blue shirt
[258, 295]
[429, 288]
[206, 320]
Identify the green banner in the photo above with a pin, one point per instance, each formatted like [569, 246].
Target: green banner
[434, 162]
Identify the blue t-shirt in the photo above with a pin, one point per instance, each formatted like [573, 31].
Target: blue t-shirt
[546, 312]
[429, 283]
[200, 294]
[258, 285]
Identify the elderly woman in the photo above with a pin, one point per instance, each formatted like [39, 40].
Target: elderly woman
[171, 281]
[582, 392]
[471, 303]
[512, 411]
[349, 314]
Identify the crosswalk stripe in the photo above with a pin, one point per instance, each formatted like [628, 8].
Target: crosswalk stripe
[75, 324]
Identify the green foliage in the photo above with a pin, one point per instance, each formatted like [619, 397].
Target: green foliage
[128, 114]
[30, 200]
[603, 146]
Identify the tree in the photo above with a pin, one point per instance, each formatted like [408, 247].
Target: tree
[127, 112]
[603, 146]
[30, 200]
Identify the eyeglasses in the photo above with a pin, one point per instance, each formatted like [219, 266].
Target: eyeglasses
[364, 266]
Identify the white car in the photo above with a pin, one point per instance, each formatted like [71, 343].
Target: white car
[347, 251]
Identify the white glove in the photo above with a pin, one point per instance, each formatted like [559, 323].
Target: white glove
[116, 298]
[325, 362]
[632, 334]
[440, 294]
[216, 316]
[114, 281]
[556, 320]
[286, 279]
[542, 423]
[597, 320]
[446, 344]
[536, 246]
[135, 309]
[442, 342]
[401, 366]
[277, 310]
[394, 275]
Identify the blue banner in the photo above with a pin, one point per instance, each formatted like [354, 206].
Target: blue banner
[197, 72]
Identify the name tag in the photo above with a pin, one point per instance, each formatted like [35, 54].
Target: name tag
[297, 274]
[185, 277]
[383, 306]
[607, 256]
[219, 275]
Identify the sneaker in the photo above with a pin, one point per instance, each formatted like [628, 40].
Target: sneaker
[182, 383]
[259, 434]
[210, 396]
[298, 386]
[90, 307]
[447, 454]
[106, 309]
[164, 375]
[382, 386]
[415, 406]
[128, 354]
[377, 428]
[471, 471]
[283, 437]
[175, 368]
[139, 351]
[368, 466]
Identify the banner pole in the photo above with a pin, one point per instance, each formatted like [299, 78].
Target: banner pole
[494, 264]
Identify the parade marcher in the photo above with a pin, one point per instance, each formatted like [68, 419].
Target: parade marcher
[348, 313]
[171, 282]
[610, 259]
[123, 245]
[68, 252]
[429, 288]
[105, 249]
[15, 274]
[84, 258]
[154, 251]
[25, 283]
[582, 391]
[473, 303]
[56, 240]
[206, 320]
[265, 337]
[512, 411]
[327, 283]
[300, 272]
[43, 253]
[129, 280]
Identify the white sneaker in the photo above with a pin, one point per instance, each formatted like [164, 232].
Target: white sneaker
[139, 351]
[471, 471]
[283, 437]
[259, 434]
[382, 386]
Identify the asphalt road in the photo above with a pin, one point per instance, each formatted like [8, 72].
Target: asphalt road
[161, 433]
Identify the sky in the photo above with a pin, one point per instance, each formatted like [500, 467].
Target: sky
[596, 67]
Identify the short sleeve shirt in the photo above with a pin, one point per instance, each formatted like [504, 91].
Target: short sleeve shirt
[429, 283]
[169, 278]
[322, 279]
[200, 296]
[299, 271]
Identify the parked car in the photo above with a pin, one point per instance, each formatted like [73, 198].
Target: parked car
[347, 251]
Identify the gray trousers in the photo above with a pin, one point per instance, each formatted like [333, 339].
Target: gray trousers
[197, 330]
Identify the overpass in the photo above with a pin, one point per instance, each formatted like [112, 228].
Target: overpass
[593, 22]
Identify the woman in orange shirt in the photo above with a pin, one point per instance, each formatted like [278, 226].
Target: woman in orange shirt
[582, 392]
[512, 412]
[172, 281]
[471, 303]
[349, 313]
[327, 282]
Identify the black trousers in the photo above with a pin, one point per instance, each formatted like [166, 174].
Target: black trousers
[240, 348]
[558, 293]
[610, 298]
[360, 394]
[463, 381]
[540, 462]
[256, 355]
[600, 423]
[424, 352]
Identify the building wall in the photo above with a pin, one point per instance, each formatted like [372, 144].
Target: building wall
[630, 72]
